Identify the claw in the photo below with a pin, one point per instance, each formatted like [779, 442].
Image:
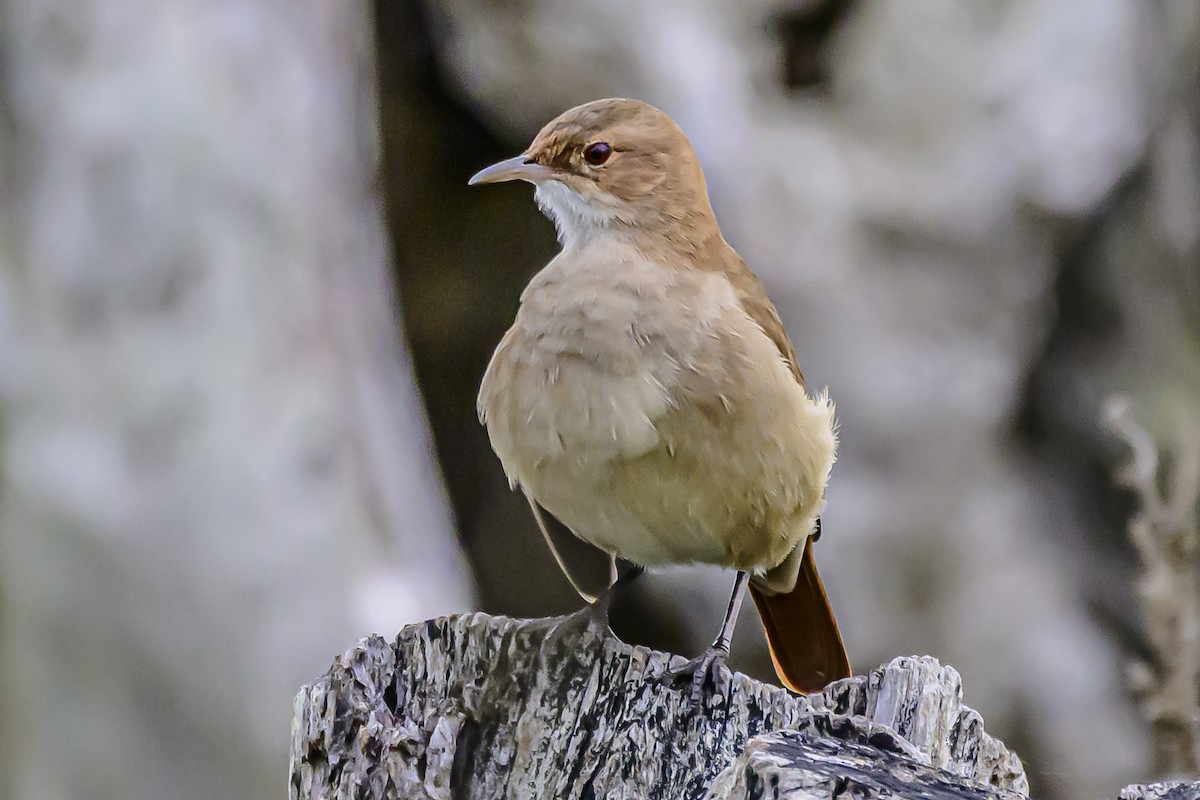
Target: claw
[709, 668]
[705, 670]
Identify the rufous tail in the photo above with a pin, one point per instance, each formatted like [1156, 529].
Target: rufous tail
[805, 643]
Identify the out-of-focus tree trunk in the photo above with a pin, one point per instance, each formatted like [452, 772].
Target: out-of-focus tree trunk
[215, 467]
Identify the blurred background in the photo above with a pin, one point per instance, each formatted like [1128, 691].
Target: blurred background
[246, 299]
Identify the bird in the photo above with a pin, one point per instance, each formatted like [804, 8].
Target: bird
[647, 395]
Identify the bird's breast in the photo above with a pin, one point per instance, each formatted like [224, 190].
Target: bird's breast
[645, 409]
[588, 365]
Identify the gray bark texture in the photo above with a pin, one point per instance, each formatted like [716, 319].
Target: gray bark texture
[476, 706]
[1167, 790]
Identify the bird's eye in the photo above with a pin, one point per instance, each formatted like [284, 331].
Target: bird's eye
[597, 153]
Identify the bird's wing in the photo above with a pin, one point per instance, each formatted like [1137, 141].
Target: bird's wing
[755, 302]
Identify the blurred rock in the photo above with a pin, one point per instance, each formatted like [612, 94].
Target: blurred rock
[216, 469]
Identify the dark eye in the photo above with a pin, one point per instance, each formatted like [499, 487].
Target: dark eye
[597, 153]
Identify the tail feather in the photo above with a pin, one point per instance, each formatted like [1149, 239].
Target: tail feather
[806, 646]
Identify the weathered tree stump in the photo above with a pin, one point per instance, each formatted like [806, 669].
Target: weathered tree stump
[487, 707]
[479, 707]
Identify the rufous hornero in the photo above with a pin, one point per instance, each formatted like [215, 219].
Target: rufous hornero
[647, 394]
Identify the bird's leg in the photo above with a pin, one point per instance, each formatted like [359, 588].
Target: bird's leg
[709, 668]
[596, 611]
[620, 581]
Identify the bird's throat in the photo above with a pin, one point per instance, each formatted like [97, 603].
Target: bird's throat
[576, 219]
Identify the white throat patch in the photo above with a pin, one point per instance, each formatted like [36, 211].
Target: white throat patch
[575, 218]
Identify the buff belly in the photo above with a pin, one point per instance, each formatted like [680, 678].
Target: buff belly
[658, 472]
[645, 409]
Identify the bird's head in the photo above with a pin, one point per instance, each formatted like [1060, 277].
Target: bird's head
[614, 165]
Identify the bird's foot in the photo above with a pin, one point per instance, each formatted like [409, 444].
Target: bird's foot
[706, 670]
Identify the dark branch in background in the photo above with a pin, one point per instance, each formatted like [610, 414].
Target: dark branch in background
[805, 33]
[1164, 534]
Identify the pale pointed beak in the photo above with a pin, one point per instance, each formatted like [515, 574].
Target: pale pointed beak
[519, 168]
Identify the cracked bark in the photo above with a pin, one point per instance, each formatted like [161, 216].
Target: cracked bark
[472, 706]
[486, 707]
